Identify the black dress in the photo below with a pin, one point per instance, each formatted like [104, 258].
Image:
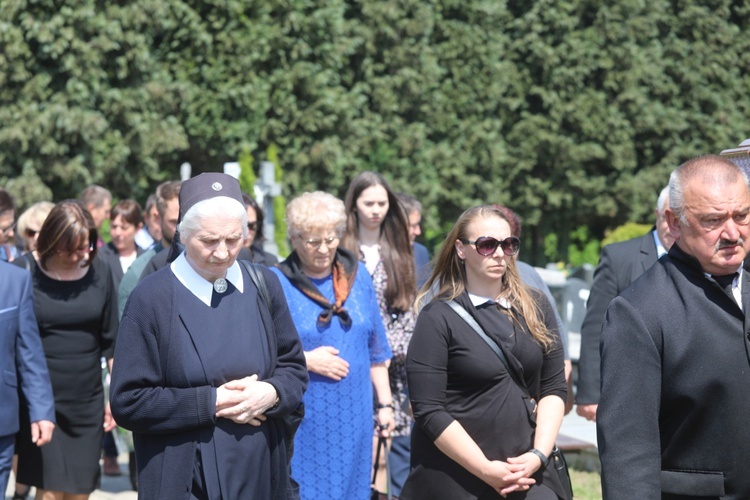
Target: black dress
[454, 376]
[78, 324]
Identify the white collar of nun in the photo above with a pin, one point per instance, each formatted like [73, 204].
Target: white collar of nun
[200, 286]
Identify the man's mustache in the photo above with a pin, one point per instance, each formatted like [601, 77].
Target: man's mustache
[729, 243]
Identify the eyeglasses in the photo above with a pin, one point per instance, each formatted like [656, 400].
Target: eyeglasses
[486, 245]
[30, 233]
[252, 226]
[314, 244]
[6, 230]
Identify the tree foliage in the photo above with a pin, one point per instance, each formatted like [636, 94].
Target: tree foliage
[627, 231]
[572, 112]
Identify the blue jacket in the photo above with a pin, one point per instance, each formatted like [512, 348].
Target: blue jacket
[21, 352]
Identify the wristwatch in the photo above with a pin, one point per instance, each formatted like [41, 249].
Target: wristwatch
[541, 456]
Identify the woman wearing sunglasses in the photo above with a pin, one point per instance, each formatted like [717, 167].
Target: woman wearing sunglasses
[474, 435]
[255, 237]
[30, 221]
[76, 308]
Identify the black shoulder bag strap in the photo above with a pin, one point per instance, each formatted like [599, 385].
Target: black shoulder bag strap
[558, 459]
[259, 281]
[292, 421]
[458, 309]
[256, 276]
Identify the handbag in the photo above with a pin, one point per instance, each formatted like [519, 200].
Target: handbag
[374, 493]
[557, 457]
[561, 467]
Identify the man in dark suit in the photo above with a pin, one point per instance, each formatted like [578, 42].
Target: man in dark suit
[619, 265]
[413, 209]
[21, 356]
[675, 399]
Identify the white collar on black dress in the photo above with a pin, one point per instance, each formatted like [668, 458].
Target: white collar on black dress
[197, 284]
[478, 300]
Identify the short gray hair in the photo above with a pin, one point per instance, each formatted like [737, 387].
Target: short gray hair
[410, 203]
[316, 210]
[707, 166]
[95, 196]
[661, 201]
[219, 206]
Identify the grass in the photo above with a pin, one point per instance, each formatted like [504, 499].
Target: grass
[586, 485]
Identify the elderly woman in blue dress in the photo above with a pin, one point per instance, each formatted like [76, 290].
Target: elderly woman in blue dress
[333, 303]
[198, 378]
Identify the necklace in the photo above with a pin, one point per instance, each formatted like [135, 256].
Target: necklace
[73, 275]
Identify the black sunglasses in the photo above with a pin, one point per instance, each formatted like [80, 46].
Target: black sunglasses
[252, 226]
[486, 245]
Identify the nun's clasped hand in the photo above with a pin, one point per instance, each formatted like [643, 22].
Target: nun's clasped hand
[245, 401]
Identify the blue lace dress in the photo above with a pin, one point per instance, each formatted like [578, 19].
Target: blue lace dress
[333, 446]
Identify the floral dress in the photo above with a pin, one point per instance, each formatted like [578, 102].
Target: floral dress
[398, 328]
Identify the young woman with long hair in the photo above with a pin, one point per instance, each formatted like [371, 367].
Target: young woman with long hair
[474, 435]
[377, 230]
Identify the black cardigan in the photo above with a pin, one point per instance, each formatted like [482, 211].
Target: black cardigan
[166, 419]
[454, 376]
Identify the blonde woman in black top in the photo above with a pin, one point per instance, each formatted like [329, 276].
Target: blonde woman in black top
[473, 436]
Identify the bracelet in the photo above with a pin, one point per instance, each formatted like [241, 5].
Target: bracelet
[541, 456]
[382, 406]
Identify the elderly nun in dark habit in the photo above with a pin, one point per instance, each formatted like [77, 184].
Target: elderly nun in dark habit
[205, 371]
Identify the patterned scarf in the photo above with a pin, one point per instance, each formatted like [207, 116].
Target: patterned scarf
[344, 272]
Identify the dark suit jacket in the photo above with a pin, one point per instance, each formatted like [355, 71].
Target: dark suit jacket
[421, 263]
[21, 353]
[675, 387]
[619, 265]
[157, 262]
[260, 256]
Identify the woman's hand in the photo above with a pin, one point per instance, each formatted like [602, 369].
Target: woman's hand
[325, 360]
[109, 421]
[386, 421]
[505, 477]
[529, 461]
[245, 401]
